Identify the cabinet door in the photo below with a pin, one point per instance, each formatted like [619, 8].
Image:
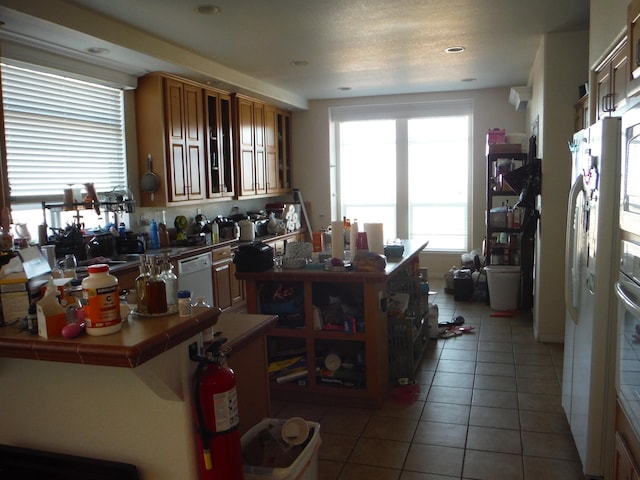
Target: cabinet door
[284, 151]
[260, 148]
[619, 78]
[603, 89]
[184, 119]
[237, 287]
[271, 147]
[225, 136]
[624, 466]
[246, 149]
[194, 141]
[633, 38]
[222, 284]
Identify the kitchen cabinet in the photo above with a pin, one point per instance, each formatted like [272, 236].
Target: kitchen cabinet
[627, 448]
[187, 129]
[251, 147]
[220, 154]
[633, 47]
[612, 77]
[228, 292]
[342, 363]
[582, 119]
[264, 148]
[278, 150]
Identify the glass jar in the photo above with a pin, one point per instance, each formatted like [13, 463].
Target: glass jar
[184, 303]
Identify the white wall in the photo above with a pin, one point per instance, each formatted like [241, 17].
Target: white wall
[312, 150]
[560, 66]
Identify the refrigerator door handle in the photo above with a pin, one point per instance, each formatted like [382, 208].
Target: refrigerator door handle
[571, 267]
[629, 304]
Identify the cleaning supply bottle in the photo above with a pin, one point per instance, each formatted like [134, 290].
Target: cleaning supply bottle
[154, 234]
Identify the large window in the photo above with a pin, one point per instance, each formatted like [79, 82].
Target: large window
[60, 132]
[409, 171]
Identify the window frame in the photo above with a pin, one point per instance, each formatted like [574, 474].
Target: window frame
[403, 112]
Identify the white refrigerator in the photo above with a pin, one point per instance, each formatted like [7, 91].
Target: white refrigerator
[588, 383]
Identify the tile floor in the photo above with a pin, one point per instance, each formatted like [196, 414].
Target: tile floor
[489, 408]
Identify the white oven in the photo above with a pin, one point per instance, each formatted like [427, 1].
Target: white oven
[628, 362]
[630, 186]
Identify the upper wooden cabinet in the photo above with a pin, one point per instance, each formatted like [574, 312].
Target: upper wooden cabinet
[208, 145]
[187, 129]
[612, 77]
[633, 47]
[219, 120]
[263, 148]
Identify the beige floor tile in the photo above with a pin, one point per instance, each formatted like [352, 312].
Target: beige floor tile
[494, 417]
[536, 371]
[495, 357]
[392, 408]
[540, 403]
[346, 421]
[495, 382]
[336, 447]
[545, 422]
[492, 466]
[358, 472]
[549, 445]
[528, 347]
[494, 440]
[390, 428]
[424, 476]
[461, 396]
[494, 398]
[493, 346]
[544, 386]
[435, 459]
[456, 366]
[538, 359]
[450, 379]
[379, 453]
[551, 469]
[329, 470]
[501, 369]
[458, 354]
[446, 413]
[443, 434]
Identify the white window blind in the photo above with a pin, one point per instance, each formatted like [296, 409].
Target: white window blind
[61, 131]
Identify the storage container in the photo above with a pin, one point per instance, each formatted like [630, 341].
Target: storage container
[504, 286]
[303, 467]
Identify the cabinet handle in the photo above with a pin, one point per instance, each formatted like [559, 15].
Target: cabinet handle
[638, 53]
[607, 103]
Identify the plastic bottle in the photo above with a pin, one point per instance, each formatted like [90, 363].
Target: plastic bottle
[155, 291]
[154, 234]
[184, 303]
[215, 232]
[141, 283]
[102, 301]
[171, 283]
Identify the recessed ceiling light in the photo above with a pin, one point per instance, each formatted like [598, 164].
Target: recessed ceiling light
[344, 89]
[454, 49]
[207, 9]
[470, 79]
[298, 63]
[97, 50]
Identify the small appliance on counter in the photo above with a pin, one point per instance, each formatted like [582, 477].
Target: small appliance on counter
[228, 229]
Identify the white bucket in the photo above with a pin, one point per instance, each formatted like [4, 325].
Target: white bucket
[504, 285]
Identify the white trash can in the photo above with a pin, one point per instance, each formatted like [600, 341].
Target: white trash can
[504, 285]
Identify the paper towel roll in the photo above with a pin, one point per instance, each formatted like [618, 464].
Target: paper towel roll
[337, 240]
[353, 236]
[375, 237]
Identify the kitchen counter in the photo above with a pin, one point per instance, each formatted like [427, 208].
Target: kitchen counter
[142, 415]
[140, 339]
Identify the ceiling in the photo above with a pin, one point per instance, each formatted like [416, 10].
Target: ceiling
[351, 47]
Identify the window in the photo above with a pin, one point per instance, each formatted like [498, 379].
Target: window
[60, 132]
[409, 171]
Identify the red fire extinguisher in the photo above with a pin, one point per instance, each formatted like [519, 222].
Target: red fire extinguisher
[216, 411]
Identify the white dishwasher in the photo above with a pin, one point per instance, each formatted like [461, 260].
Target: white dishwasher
[194, 274]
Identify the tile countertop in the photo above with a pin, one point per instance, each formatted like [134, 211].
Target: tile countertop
[139, 340]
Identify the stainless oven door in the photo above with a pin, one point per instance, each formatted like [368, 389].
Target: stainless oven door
[628, 362]
[630, 185]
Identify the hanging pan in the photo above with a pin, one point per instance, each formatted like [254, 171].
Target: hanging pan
[150, 182]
